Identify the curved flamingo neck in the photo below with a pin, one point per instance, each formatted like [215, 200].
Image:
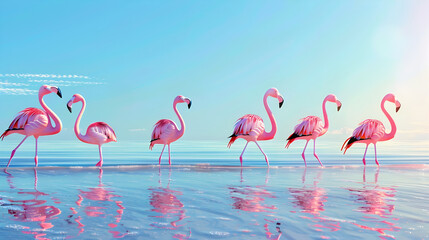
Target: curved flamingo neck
[325, 118]
[182, 123]
[77, 123]
[388, 136]
[55, 118]
[269, 135]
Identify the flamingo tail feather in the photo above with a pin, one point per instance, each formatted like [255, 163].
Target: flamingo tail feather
[9, 131]
[291, 139]
[233, 138]
[348, 143]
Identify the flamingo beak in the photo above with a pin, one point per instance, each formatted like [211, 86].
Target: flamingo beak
[69, 103]
[59, 93]
[189, 104]
[398, 107]
[281, 101]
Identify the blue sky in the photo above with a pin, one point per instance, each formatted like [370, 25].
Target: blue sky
[131, 58]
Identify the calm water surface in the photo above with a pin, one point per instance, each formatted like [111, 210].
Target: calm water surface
[204, 196]
[215, 203]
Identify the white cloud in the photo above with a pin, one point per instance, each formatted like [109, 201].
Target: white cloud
[33, 82]
[13, 84]
[64, 83]
[17, 91]
[30, 75]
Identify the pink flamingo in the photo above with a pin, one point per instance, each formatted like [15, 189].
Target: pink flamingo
[311, 127]
[251, 128]
[97, 133]
[372, 131]
[35, 122]
[165, 131]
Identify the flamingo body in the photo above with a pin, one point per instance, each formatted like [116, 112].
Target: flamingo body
[312, 127]
[369, 131]
[166, 131]
[100, 133]
[251, 127]
[97, 133]
[30, 121]
[35, 122]
[373, 131]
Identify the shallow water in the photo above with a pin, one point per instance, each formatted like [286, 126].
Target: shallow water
[204, 195]
[75, 153]
[147, 202]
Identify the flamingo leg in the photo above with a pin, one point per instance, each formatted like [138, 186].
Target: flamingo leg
[364, 155]
[241, 156]
[36, 158]
[161, 154]
[303, 154]
[169, 156]
[266, 158]
[14, 150]
[100, 163]
[375, 152]
[314, 152]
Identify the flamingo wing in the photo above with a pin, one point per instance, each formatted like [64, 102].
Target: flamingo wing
[308, 126]
[163, 129]
[27, 119]
[101, 131]
[368, 129]
[246, 125]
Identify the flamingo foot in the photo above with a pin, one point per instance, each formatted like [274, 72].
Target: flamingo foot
[241, 160]
[268, 163]
[376, 161]
[159, 163]
[317, 157]
[99, 164]
[364, 162]
[36, 161]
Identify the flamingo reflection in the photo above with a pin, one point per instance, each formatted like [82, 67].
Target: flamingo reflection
[97, 198]
[375, 201]
[166, 203]
[311, 200]
[252, 199]
[33, 209]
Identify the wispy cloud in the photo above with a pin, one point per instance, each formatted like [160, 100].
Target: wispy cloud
[30, 75]
[64, 83]
[14, 83]
[17, 91]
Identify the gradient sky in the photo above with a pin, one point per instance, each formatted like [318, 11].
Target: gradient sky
[129, 59]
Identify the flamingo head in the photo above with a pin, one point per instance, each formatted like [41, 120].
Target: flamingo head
[182, 99]
[76, 98]
[273, 92]
[46, 89]
[391, 98]
[333, 98]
